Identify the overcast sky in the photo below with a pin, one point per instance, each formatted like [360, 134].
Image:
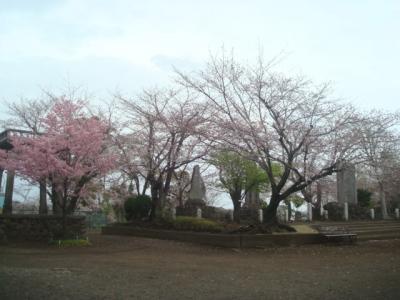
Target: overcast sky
[125, 45]
[105, 46]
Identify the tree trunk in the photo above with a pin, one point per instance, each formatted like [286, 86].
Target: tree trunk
[155, 199]
[236, 210]
[42, 197]
[289, 205]
[56, 201]
[7, 208]
[383, 202]
[270, 212]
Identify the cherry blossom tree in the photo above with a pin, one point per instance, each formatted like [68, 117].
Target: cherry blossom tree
[27, 114]
[273, 119]
[379, 147]
[166, 133]
[70, 150]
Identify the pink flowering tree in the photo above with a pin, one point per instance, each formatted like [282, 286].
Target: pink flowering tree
[69, 152]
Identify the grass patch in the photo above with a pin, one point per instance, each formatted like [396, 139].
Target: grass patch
[304, 229]
[71, 243]
[196, 224]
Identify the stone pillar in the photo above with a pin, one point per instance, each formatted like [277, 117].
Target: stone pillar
[260, 215]
[346, 211]
[7, 208]
[326, 216]
[286, 215]
[397, 213]
[252, 200]
[372, 212]
[173, 213]
[42, 198]
[321, 210]
[309, 212]
[319, 200]
[198, 214]
[346, 184]
[382, 197]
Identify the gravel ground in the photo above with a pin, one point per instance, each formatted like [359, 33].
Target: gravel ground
[137, 268]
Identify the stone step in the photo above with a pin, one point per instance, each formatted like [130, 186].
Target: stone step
[359, 223]
[372, 227]
[386, 236]
[376, 231]
[369, 230]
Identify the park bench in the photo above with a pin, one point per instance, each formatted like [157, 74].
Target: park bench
[341, 237]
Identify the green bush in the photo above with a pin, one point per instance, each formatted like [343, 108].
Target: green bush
[335, 211]
[196, 224]
[137, 207]
[364, 198]
[358, 212]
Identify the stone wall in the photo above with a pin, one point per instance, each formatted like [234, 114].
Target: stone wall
[39, 227]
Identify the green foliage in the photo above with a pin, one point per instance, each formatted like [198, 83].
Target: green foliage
[264, 204]
[196, 224]
[239, 174]
[364, 198]
[296, 200]
[137, 207]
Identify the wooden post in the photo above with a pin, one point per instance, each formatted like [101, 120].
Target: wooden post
[7, 208]
[1, 177]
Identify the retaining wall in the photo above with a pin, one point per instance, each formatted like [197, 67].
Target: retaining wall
[39, 227]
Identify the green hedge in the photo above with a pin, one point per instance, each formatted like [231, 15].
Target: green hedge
[137, 207]
[196, 224]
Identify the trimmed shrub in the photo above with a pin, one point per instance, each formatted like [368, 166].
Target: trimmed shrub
[137, 207]
[335, 211]
[357, 212]
[195, 224]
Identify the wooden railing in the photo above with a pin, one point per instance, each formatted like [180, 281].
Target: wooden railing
[6, 135]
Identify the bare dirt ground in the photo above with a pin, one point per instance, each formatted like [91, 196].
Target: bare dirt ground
[137, 268]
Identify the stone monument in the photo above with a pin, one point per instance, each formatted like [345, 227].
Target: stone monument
[346, 184]
[197, 193]
[252, 200]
